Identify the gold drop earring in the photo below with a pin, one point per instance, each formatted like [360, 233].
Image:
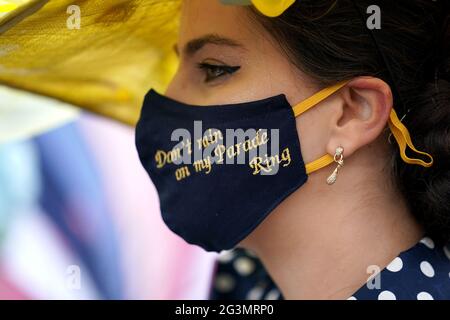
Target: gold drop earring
[339, 159]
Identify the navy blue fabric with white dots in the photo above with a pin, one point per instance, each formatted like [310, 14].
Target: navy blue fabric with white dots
[233, 282]
[419, 273]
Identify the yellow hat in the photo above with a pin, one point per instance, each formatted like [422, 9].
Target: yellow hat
[104, 55]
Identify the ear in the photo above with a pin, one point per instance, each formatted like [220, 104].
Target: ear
[362, 115]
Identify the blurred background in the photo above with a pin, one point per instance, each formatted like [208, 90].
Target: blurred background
[79, 217]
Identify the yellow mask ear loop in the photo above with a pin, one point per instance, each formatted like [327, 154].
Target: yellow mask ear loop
[399, 131]
[307, 104]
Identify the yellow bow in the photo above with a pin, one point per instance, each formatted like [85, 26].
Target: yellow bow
[272, 8]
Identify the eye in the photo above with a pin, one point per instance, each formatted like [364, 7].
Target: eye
[215, 71]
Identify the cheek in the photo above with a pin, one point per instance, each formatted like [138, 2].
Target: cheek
[312, 131]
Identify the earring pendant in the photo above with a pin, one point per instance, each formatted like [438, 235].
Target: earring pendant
[339, 159]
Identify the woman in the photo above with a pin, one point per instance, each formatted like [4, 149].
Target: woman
[347, 68]
[323, 241]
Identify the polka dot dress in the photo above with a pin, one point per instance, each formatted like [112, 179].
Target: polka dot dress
[241, 276]
[419, 273]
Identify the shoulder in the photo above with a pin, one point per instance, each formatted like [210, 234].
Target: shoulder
[419, 273]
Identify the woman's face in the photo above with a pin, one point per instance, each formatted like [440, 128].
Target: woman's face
[226, 57]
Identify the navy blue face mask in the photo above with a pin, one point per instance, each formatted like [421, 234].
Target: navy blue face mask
[214, 192]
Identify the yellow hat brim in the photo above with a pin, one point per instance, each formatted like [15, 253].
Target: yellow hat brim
[122, 49]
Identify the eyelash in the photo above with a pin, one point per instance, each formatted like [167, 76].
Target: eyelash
[216, 70]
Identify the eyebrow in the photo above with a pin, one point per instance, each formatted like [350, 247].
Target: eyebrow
[195, 45]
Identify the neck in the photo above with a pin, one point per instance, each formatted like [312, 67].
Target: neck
[320, 241]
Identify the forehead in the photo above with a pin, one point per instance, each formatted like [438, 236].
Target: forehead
[200, 17]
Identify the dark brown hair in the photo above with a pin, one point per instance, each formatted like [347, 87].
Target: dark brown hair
[330, 41]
